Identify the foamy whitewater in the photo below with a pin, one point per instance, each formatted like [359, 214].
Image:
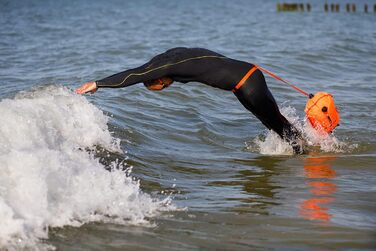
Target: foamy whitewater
[272, 144]
[50, 178]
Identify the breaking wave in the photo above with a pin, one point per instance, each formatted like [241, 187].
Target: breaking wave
[50, 175]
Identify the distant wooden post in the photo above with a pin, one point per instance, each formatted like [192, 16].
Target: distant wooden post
[332, 7]
[301, 7]
[290, 7]
[348, 7]
[326, 7]
[337, 7]
[309, 7]
[366, 8]
[353, 7]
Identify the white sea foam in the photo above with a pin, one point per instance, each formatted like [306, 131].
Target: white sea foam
[48, 179]
[272, 144]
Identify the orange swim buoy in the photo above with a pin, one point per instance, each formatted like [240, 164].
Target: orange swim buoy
[322, 112]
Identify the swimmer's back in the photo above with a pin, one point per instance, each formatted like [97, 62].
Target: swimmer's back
[181, 53]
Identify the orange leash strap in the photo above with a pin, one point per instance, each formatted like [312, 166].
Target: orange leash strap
[255, 67]
[282, 80]
[246, 76]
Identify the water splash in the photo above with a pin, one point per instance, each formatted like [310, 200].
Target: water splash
[272, 144]
[47, 179]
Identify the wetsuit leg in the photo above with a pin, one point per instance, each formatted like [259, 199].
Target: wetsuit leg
[256, 97]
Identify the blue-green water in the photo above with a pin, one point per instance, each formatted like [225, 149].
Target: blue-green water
[210, 176]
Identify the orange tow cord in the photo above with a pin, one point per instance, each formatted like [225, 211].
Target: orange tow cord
[255, 67]
[282, 80]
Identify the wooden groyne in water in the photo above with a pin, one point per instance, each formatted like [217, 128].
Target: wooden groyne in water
[328, 7]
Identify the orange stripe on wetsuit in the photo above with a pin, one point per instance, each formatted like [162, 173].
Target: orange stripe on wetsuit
[245, 77]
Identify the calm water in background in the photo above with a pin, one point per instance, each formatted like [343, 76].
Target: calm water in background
[197, 144]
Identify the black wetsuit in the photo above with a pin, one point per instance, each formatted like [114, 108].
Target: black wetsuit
[205, 66]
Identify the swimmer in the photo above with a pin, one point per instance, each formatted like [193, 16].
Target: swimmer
[184, 65]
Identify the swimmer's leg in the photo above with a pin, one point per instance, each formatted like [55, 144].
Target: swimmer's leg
[256, 97]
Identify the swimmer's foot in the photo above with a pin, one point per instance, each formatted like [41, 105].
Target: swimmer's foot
[298, 149]
[298, 146]
[294, 137]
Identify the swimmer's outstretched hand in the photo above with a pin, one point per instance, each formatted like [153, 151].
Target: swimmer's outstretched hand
[87, 87]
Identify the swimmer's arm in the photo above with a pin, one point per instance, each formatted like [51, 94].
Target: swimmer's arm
[133, 76]
[126, 78]
[183, 71]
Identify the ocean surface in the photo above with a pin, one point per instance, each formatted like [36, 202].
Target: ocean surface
[187, 168]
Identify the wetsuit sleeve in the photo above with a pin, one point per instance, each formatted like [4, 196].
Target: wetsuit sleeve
[132, 76]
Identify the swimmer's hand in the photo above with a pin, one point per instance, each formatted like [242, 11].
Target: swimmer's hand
[87, 87]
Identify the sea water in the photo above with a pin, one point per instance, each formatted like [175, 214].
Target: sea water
[187, 168]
